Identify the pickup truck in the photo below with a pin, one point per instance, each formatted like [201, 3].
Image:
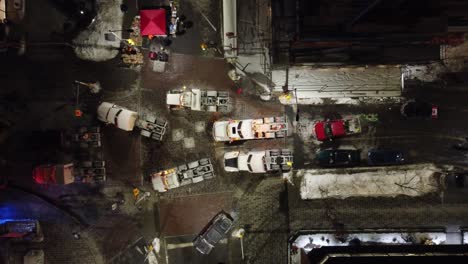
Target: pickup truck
[330, 129]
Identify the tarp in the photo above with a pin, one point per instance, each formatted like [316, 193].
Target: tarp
[153, 22]
[44, 174]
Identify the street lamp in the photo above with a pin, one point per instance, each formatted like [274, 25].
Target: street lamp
[297, 105]
[239, 233]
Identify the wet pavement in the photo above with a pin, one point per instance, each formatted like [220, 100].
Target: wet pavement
[269, 209]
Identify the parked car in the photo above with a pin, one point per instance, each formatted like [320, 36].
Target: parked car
[330, 129]
[376, 157]
[259, 161]
[338, 157]
[218, 229]
[419, 109]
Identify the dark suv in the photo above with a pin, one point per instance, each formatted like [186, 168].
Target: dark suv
[218, 229]
[338, 158]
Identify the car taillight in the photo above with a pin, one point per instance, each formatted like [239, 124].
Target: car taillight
[434, 112]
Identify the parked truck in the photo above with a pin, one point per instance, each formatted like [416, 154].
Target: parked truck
[198, 100]
[259, 161]
[263, 128]
[193, 172]
[330, 129]
[127, 120]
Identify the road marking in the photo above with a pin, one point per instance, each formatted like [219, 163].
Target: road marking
[180, 245]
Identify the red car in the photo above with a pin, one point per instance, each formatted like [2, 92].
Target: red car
[329, 129]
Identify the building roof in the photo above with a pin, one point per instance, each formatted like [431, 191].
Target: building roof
[153, 22]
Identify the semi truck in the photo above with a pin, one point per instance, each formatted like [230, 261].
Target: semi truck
[259, 161]
[198, 100]
[127, 120]
[193, 172]
[263, 128]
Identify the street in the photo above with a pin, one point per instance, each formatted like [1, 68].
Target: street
[39, 100]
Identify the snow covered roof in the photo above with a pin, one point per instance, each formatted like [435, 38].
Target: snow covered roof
[409, 180]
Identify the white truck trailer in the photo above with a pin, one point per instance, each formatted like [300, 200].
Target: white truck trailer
[127, 120]
[262, 128]
[198, 100]
[259, 161]
[193, 172]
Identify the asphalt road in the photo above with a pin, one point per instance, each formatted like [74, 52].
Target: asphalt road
[40, 97]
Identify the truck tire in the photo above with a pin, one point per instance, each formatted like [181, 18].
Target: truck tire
[150, 119]
[193, 165]
[161, 122]
[223, 108]
[223, 94]
[275, 167]
[94, 129]
[99, 164]
[145, 133]
[86, 164]
[280, 119]
[280, 134]
[182, 168]
[197, 179]
[286, 152]
[211, 108]
[156, 136]
[204, 161]
[274, 152]
[209, 175]
[212, 93]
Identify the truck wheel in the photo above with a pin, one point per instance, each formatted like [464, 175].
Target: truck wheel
[204, 161]
[223, 108]
[193, 165]
[145, 133]
[99, 164]
[280, 134]
[182, 168]
[150, 119]
[286, 152]
[274, 152]
[223, 94]
[209, 175]
[275, 167]
[95, 129]
[86, 164]
[212, 93]
[161, 122]
[280, 119]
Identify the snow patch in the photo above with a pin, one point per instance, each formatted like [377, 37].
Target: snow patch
[91, 43]
[425, 73]
[409, 180]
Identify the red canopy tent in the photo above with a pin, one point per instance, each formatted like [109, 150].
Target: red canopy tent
[153, 22]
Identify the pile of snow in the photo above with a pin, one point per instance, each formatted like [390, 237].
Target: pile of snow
[91, 43]
[409, 180]
[426, 73]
